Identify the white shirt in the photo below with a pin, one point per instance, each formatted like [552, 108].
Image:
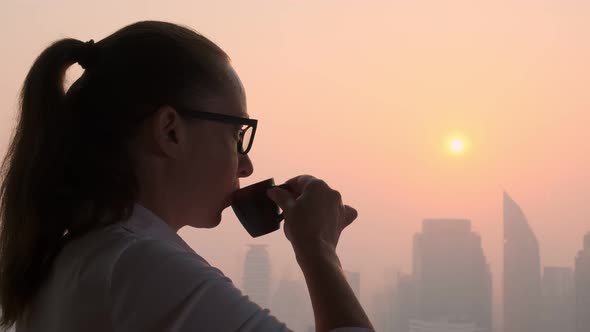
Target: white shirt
[139, 275]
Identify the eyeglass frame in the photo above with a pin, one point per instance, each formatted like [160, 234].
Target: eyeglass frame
[229, 119]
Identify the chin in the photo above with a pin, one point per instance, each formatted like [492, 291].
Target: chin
[206, 222]
[213, 222]
[217, 221]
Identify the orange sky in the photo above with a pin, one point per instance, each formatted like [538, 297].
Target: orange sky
[365, 95]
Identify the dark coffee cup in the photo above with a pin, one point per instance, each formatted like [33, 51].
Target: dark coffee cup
[258, 214]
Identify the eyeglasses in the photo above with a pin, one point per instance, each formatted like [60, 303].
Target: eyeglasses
[246, 134]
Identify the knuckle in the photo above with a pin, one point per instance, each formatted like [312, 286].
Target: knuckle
[305, 178]
[317, 184]
[337, 195]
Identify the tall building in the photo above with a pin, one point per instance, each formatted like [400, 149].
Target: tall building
[404, 307]
[381, 310]
[558, 311]
[444, 326]
[452, 278]
[354, 280]
[257, 278]
[522, 271]
[292, 305]
[582, 281]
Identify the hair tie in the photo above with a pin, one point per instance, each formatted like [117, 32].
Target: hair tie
[86, 56]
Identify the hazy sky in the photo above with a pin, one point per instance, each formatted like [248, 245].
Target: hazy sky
[365, 94]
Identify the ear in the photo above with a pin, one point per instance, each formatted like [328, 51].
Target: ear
[167, 132]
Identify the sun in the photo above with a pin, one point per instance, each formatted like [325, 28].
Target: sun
[456, 145]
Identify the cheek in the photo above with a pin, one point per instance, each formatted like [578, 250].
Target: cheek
[231, 169]
[219, 164]
[230, 156]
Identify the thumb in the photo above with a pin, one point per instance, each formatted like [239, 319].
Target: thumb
[350, 214]
[281, 197]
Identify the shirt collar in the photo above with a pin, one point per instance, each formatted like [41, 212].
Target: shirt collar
[145, 222]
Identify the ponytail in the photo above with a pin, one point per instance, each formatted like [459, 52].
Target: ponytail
[27, 240]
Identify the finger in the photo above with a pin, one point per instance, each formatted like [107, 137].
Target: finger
[283, 198]
[350, 214]
[297, 184]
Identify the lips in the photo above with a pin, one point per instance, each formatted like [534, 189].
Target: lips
[231, 197]
[229, 201]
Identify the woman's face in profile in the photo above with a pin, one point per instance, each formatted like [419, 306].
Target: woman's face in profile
[213, 164]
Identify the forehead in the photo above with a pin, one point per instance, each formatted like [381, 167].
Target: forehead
[230, 101]
[236, 94]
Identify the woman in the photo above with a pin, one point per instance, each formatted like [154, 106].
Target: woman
[98, 179]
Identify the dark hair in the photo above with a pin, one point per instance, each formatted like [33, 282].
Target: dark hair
[68, 169]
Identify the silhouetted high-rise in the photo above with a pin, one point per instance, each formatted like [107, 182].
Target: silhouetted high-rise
[257, 279]
[381, 311]
[522, 271]
[404, 305]
[451, 276]
[292, 305]
[444, 326]
[558, 313]
[583, 287]
[354, 280]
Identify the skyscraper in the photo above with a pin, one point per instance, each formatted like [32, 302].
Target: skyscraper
[444, 326]
[381, 312]
[583, 287]
[522, 271]
[558, 312]
[257, 279]
[354, 280]
[404, 306]
[292, 305]
[452, 278]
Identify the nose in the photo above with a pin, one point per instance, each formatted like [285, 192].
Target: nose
[245, 167]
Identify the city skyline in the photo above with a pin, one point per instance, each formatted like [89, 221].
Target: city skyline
[415, 302]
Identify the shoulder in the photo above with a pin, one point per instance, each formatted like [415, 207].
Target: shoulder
[115, 251]
[152, 258]
[159, 287]
[156, 286]
[154, 269]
